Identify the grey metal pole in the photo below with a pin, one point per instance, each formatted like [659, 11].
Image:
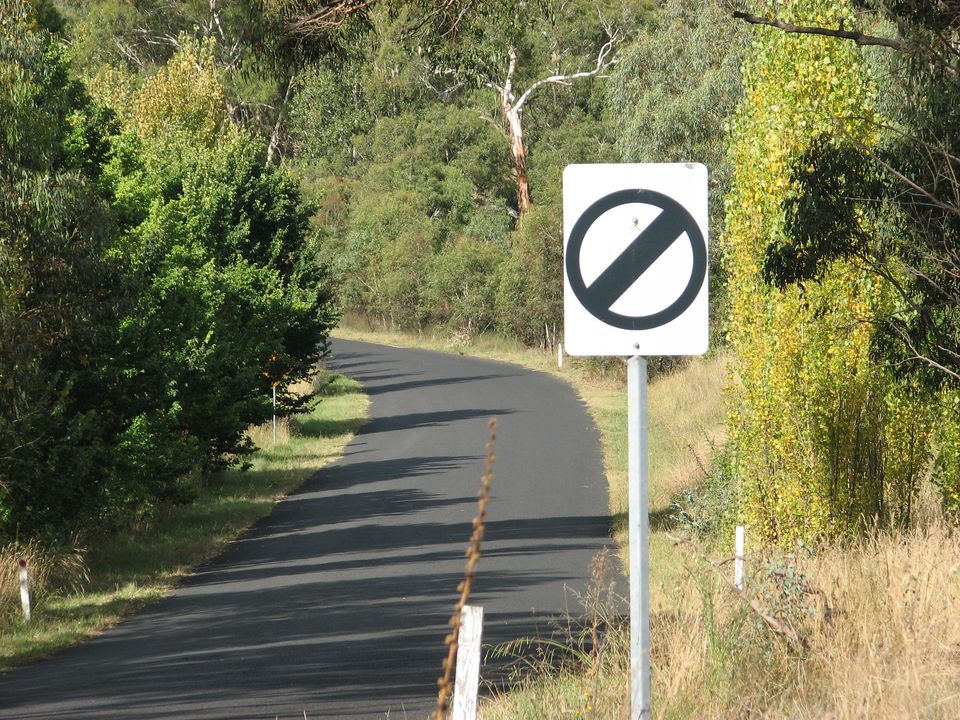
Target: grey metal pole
[639, 522]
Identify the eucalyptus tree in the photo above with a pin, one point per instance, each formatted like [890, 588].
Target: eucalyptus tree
[258, 60]
[517, 48]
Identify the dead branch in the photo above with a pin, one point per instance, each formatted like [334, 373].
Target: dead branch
[856, 36]
[330, 16]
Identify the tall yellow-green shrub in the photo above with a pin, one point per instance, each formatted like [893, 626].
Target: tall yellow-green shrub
[822, 435]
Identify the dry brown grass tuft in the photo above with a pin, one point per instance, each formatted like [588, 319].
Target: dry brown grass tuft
[473, 557]
[893, 648]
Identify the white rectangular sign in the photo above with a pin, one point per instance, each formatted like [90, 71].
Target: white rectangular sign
[635, 259]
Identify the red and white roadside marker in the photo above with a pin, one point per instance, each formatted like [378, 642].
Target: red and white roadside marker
[24, 589]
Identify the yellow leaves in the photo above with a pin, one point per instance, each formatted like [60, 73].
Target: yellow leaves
[806, 409]
[185, 97]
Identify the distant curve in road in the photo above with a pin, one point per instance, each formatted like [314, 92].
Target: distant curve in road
[336, 603]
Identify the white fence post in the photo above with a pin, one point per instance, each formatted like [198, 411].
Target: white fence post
[25, 590]
[738, 560]
[467, 683]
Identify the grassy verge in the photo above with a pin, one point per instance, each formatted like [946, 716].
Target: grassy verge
[127, 571]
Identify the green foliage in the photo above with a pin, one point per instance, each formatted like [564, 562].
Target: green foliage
[219, 240]
[676, 87]
[823, 434]
[908, 231]
[59, 294]
[530, 282]
[671, 97]
[185, 97]
[461, 285]
[946, 469]
[710, 510]
[153, 286]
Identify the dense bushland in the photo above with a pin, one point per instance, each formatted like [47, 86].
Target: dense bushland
[408, 145]
[156, 277]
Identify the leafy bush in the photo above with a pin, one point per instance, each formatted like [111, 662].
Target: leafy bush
[155, 280]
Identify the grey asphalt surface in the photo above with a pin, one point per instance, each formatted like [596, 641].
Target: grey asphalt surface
[336, 604]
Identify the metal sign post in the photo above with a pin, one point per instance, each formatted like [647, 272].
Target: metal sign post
[635, 284]
[639, 521]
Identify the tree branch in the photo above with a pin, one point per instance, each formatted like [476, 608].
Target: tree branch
[273, 147]
[861, 38]
[858, 37]
[604, 61]
[506, 91]
[330, 16]
[781, 629]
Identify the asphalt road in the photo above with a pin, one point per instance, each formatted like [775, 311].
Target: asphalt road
[336, 604]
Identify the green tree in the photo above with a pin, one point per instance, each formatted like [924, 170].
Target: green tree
[62, 407]
[516, 50]
[823, 433]
[154, 281]
[219, 239]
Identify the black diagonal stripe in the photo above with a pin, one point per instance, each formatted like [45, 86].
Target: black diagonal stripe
[636, 259]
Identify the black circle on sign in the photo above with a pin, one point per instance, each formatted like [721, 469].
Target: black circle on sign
[677, 218]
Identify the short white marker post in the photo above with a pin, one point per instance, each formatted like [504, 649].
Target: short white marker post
[738, 560]
[559, 355]
[25, 590]
[639, 522]
[467, 684]
[274, 414]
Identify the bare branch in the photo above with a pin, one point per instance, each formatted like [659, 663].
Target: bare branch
[273, 147]
[771, 622]
[860, 38]
[507, 90]
[330, 16]
[444, 95]
[604, 60]
[128, 52]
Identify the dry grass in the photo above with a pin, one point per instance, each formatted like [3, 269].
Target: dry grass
[686, 423]
[884, 638]
[893, 649]
[884, 645]
[49, 571]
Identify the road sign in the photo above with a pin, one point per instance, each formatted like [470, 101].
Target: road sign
[635, 259]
